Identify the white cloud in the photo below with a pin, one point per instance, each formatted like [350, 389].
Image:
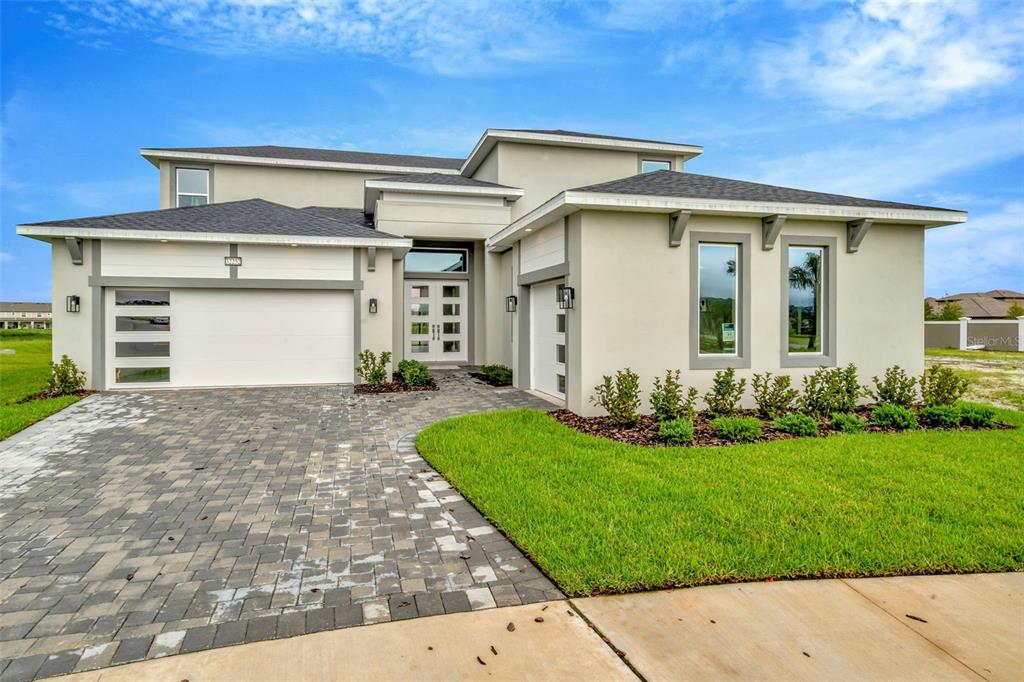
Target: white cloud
[899, 58]
[6, 257]
[899, 162]
[464, 37]
[982, 254]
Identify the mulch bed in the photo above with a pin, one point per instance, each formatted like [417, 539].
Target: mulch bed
[396, 385]
[645, 432]
[43, 395]
[488, 380]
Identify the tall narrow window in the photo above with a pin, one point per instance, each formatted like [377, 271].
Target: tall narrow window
[805, 299]
[193, 186]
[718, 294]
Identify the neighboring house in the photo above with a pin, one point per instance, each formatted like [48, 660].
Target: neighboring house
[18, 315]
[564, 255]
[993, 304]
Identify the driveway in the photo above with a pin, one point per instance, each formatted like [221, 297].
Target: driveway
[138, 525]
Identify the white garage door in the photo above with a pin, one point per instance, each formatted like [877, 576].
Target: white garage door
[228, 337]
[547, 339]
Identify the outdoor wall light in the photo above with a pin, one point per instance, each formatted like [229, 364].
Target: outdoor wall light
[510, 303]
[73, 304]
[566, 296]
[373, 306]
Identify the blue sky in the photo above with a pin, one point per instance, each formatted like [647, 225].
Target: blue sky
[917, 102]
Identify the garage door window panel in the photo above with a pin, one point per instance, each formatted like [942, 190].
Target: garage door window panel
[142, 297]
[142, 375]
[142, 349]
[140, 323]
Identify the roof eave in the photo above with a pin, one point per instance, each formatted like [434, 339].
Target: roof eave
[48, 232]
[154, 156]
[492, 136]
[570, 201]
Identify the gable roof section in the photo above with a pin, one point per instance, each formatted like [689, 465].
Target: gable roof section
[667, 183]
[307, 156]
[217, 222]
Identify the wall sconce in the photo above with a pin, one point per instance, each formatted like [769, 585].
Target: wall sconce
[73, 304]
[566, 296]
[373, 306]
[510, 303]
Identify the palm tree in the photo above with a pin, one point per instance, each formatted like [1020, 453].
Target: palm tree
[805, 277]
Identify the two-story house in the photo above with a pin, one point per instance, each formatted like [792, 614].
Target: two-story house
[564, 255]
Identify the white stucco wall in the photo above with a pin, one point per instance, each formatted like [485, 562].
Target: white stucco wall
[377, 333]
[73, 332]
[633, 300]
[294, 262]
[124, 258]
[441, 216]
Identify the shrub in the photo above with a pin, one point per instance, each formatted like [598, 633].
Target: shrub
[620, 397]
[828, 391]
[676, 431]
[499, 375]
[372, 369]
[667, 401]
[976, 416]
[725, 393]
[773, 396]
[941, 386]
[895, 387]
[847, 423]
[797, 425]
[738, 428]
[414, 373]
[940, 416]
[65, 377]
[894, 417]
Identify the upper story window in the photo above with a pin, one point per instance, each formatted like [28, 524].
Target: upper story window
[436, 260]
[651, 165]
[193, 186]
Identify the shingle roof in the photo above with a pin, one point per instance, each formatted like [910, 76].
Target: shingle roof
[693, 186]
[444, 179]
[329, 155]
[353, 217]
[596, 136]
[249, 216]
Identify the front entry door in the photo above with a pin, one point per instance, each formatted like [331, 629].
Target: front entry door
[435, 320]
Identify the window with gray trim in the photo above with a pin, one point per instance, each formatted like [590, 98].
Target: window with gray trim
[719, 300]
[808, 319]
[192, 186]
[651, 165]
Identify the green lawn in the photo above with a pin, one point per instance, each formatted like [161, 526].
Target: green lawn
[600, 516]
[23, 374]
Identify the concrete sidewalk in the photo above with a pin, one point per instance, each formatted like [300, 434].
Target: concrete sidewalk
[914, 628]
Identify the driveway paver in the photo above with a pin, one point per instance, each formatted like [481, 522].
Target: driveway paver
[139, 525]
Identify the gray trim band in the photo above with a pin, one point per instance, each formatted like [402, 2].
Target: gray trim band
[544, 274]
[357, 321]
[524, 373]
[742, 359]
[827, 358]
[436, 275]
[99, 326]
[224, 283]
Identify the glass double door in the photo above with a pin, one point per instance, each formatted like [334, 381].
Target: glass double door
[435, 320]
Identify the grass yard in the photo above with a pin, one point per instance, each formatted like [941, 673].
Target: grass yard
[600, 516]
[1005, 355]
[23, 374]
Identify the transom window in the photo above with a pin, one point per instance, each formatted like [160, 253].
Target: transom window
[651, 165]
[436, 260]
[193, 186]
[718, 294]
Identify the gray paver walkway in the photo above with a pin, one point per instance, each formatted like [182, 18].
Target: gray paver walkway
[140, 525]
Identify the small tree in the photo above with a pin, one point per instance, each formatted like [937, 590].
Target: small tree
[1015, 311]
[929, 312]
[951, 311]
